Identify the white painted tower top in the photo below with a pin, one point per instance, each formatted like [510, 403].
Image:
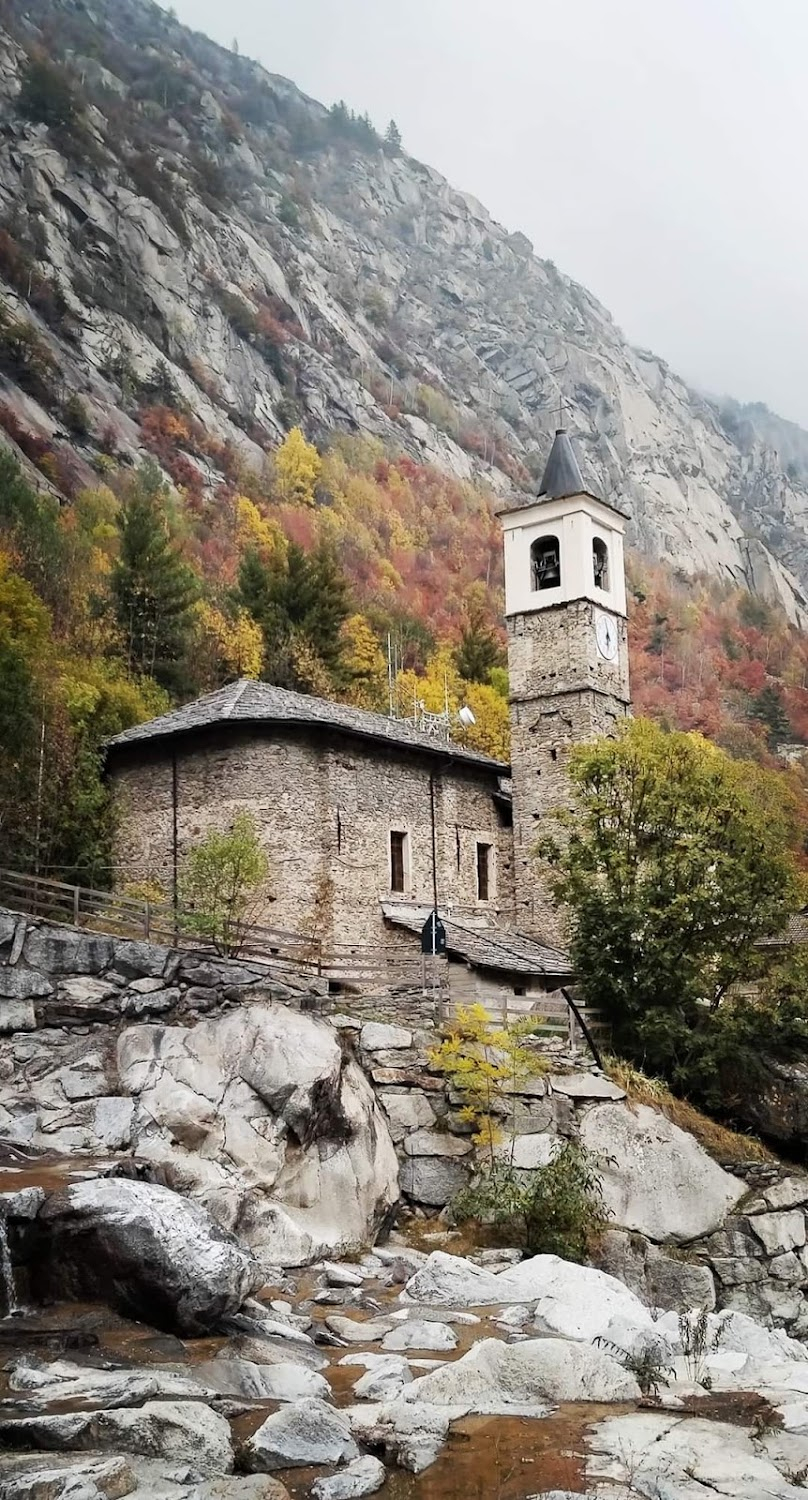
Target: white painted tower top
[567, 544]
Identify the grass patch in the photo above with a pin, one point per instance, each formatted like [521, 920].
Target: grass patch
[719, 1141]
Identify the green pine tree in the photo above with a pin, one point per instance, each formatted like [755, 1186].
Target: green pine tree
[153, 590]
[769, 710]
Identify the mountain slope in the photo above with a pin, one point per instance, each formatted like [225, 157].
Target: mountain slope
[196, 229]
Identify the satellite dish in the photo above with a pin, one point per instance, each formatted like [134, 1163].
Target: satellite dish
[466, 717]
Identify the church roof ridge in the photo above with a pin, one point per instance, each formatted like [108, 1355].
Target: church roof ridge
[250, 702]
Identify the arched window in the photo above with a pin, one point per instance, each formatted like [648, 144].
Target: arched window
[600, 563]
[545, 563]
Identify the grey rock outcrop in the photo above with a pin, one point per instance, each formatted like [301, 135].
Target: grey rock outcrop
[182, 1431]
[251, 1106]
[657, 1179]
[156, 1255]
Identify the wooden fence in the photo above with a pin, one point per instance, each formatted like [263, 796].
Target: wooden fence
[356, 966]
[360, 965]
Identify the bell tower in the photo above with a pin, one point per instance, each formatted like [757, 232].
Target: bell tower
[565, 606]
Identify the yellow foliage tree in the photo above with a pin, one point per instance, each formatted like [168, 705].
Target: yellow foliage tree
[254, 529]
[229, 646]
[485, 1064]
[297, 468]
[365, 664]
[442, 686]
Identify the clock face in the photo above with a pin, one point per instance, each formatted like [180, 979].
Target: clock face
[606, 636]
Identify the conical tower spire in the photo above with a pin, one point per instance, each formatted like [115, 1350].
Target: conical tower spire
[562, 475]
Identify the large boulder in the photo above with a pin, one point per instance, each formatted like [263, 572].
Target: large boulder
[150, 1252]
[259, 1114]
[306, 1432]
[496, 1377]
[657, 1179]
[577, 1302]
[185, 1432]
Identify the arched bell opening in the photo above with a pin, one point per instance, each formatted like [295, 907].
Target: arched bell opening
[545, 563]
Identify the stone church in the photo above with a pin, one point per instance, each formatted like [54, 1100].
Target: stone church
[370, 822]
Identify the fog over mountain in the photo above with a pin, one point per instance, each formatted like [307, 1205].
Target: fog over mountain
[654, 152]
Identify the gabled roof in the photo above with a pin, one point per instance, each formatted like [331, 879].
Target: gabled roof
[562, 475]
[485, 947]
[258, 703]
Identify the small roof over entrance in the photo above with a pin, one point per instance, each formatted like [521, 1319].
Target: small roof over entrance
[495, 948]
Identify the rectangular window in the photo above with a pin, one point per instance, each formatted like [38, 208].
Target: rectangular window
[398, 860]
[483, 872]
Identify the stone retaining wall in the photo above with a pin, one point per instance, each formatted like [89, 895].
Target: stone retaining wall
[688, 1231]
[52, 975]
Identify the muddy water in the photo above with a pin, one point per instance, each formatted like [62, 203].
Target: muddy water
[495, 1458]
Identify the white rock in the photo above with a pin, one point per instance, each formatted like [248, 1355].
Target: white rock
[355, 1332]
[436, 1143]
[406, 1111]
[340, 1275]
[227, 1102]
[388, 1375]
[684, 1458]
[788, 1193]
[413, 1433]
[779, 1231]
[495, 1377]
[362, 1477]
[417, 1334]
[657, 1179]
[449, 1279]
[585, 1086]
[283, 1381]
[307, 1432]
[158, 1254]
[376, 1037]
[181, 1431]
[527, 1152]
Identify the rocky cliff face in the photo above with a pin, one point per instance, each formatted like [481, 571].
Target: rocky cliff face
[204, 228]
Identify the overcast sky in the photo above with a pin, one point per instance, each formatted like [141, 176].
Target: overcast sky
[654, 149]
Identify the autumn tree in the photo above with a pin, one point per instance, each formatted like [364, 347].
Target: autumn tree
[153, 590]
[674, 862]
[297, 466]
[364, 664]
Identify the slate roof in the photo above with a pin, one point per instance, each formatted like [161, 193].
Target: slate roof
[562, 475]
[562, 478]
[485, 947]
[247, 702]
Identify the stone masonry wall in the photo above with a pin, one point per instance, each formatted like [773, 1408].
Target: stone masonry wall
[687, 1231]
[563, 693]
[325, 809]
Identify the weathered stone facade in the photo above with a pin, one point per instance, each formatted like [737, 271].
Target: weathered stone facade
[562, 694]
[325, 805]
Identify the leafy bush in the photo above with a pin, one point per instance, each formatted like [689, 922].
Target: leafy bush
[552, 1210]
[219, 885]
[76, 415]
